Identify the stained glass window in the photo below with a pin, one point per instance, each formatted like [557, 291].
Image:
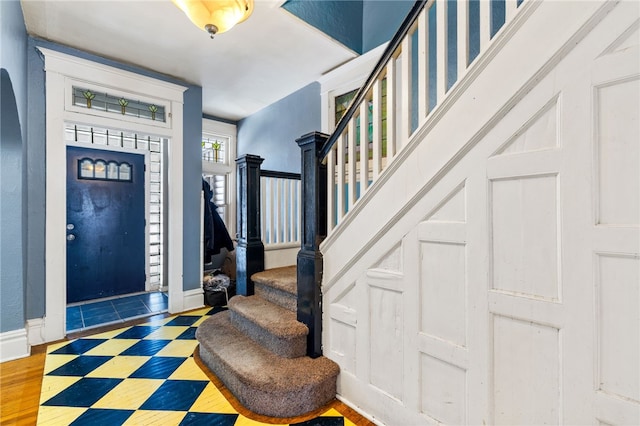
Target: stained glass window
[91, 99]
[214, 148]
[342, 103]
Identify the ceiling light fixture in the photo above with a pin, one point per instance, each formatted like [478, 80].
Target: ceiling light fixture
[215, 16]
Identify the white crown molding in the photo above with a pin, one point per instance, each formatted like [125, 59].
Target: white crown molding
[83, 69]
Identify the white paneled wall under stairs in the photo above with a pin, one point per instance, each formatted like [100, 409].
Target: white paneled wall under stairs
[491, 274]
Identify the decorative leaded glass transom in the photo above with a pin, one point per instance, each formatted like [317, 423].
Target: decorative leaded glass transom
[100, 101]
[214, 148]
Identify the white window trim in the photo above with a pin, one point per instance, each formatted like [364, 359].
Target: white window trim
[229, 167]
[60, 70]
[346, 78]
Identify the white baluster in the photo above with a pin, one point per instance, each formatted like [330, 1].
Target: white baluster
[441, 49]
[377, 128]
[405, 91]
[391, 110]
[423, 65]
[511, 7]
[279, 211]
[272, 211]
[287, 210]
[340, 186]
[331, 191]
[463, 37]
[485, 25]
[364, 146]
[352, 162]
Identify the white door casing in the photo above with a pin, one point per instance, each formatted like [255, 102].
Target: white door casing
[61, 70]
[505, 289]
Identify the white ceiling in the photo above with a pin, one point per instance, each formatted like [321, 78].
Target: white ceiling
[260, 61]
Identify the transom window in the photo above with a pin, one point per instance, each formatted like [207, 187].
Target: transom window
[102, 101]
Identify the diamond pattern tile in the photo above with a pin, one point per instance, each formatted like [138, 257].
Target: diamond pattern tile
[99, 416]
[140, 375]
[83, 393]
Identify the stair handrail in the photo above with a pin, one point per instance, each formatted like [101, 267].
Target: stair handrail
[393, 45]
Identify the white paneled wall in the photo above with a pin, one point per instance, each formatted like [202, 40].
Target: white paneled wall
[492, 275]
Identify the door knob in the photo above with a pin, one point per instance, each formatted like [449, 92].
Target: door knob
[71, 237]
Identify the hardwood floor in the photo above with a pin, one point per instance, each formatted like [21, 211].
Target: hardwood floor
[21, 381]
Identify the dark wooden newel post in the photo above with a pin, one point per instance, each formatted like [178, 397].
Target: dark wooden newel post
[250, 250]
[314, 230]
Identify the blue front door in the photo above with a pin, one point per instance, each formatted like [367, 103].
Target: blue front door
[105, 224]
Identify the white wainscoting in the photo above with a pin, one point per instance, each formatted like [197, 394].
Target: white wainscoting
[492, 275]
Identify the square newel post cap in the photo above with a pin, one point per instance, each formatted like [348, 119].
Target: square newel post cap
[250, 158]
[317, 138]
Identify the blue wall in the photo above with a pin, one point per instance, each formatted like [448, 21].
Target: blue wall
[13, 109]
[36, 178]
[360, 25]
[342, 20]
[381, 20]
[271, 133]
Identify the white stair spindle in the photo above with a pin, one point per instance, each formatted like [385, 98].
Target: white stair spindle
[352, 161]
[391, 110]
[364, 146]
[272, 211]
[485, 25]
[340, 183]
[423, 65]
[279, 212]
[287, 210]
[441, 49]
[405, 91]
[463, 37]
[331, 191]
[511, 7]
[377, 128]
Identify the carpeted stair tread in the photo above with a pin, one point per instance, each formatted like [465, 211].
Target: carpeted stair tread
[273, 318]
[262, 381]
[284, 279]
[270, 325]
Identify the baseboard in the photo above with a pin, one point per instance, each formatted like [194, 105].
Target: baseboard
[193, 299]
[14, 345]
[359, 410]
[35, 331]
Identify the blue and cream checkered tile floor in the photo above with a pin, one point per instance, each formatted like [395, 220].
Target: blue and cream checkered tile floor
[139, 375]
[87, 315]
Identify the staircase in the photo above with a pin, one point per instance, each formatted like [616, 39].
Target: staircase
[258, 349]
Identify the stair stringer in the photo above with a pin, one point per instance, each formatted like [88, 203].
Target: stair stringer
[405, 365]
